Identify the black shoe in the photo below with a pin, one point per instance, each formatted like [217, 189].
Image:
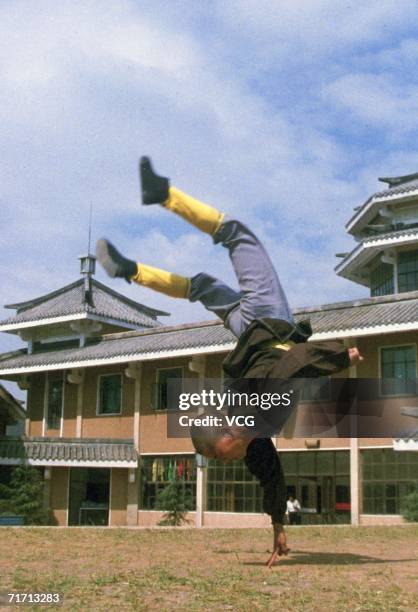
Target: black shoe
[154, 187]
[115, 264]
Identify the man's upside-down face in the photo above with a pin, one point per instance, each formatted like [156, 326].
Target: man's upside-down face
[228, 447]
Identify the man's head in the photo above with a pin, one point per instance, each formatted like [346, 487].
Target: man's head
[224, 443]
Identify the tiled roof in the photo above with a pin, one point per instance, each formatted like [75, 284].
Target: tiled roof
[131, 344]
[367, 248]
[371, 312]
[334, 320]
[66, 450]
[363, 213]
[395, 190]
[407, 441]
[69, 300]
[404, 233]
[409, 435]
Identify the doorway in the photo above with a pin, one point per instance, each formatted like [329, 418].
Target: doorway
[89, 496]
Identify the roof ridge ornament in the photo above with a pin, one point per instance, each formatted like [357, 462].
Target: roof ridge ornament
[88, 267]
[395, 181]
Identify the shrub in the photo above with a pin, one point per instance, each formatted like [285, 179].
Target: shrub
[175, 500]
[24, 496]
[410, 506]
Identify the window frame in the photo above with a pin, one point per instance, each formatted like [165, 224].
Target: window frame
[374, 480]
[382, 288]
[156, 382]
[380, 363]
[324, 381]
[405, 275]
[149, 488]
[47, 395]
[105, 414]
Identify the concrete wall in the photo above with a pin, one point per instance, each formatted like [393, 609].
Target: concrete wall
[59, 494]
[118, 496]
[150, 518]
[70, 410]
[381, 519]
[36, 404]
[234, 520]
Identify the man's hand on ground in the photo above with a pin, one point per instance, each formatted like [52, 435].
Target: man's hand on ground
[279, 544]
[354, 355]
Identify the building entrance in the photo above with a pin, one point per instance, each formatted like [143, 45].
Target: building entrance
[89, 496]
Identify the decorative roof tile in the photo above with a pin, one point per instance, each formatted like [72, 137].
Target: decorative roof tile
[67, 450]
[397, 190]
[70, 300]
[357, 314]
[404, 233]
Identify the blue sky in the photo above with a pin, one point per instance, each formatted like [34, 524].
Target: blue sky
[282, 112]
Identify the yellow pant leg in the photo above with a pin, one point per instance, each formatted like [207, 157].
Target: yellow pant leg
[170, 284]
[206, 218]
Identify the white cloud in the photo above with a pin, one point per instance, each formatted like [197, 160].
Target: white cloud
[86, 87]
[315, 27]
[377, 99]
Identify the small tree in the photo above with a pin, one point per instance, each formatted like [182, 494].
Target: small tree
[176, 501]
[410, 506]
[24, 496]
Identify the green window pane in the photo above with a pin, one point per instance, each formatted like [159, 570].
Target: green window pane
[160, 388]
[110, 394]
[55, 397]
[307, 463]
[325, 462]
[381, 280]
[390, 490]
[289, 462]
[342, 462]
[408, 270]
[398, 370]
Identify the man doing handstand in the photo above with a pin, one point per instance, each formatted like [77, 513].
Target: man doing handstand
[270, 344]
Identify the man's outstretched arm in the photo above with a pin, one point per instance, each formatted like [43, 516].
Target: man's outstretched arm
[263, 462]
[313, 359]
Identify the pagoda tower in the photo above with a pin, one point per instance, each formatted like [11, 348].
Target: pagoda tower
[385, 227]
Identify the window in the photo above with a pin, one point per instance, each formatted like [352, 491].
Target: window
[54, 403]
[110, 394]
[316, 390]
[157, 472]
[408, 270]
[321, 482]
[381, 280]
[388, 476]
[398, 370]
[231, 488]
[166, 376]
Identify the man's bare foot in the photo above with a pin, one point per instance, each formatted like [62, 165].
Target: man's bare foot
[354, 355]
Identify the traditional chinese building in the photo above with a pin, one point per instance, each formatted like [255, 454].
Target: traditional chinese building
[96, 366]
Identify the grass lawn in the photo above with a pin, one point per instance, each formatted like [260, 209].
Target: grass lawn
[328, 569]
